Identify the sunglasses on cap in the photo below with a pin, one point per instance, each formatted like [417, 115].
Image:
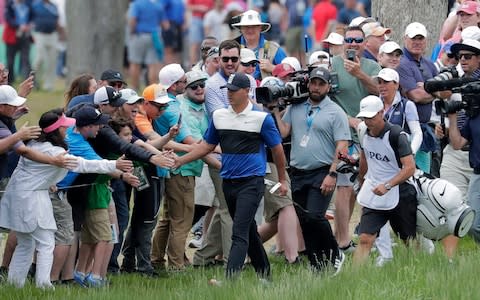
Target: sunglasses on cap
[197, 85]
[451, 55]
[350, 40]
[249, 64]
[234, 59]
[116, 84]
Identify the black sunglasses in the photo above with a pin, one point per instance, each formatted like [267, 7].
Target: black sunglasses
[467, 56]
[160, 107]
[116, 84]
[249, 64]
[195, 86]
[234, 59]
[350, 40]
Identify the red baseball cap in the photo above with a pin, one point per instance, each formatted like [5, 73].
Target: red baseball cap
[282, 70]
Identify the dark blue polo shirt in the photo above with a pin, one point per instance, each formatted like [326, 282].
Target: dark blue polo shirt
[471, 132]
[411, 72]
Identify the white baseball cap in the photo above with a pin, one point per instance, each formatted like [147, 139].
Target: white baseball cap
[319, 57]
[247, 55]
[414, 29]
[292, 61]
[334, 39]
[370, 106]
[8, 95]
[388, 74]
[389, 47]
[471, 32]
[131, 96]
[170, 74]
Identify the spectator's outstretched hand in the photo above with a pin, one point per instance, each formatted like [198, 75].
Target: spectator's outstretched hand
[124, 164]
[26, 132]
[131, 179]
[26, 86]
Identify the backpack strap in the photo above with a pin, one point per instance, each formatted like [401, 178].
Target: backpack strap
[393, 137]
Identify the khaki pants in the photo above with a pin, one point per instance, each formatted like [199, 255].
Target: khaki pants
[172, 229]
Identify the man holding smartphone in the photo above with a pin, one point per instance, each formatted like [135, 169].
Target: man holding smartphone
[354, 83]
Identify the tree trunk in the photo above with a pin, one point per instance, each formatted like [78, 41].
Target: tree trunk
[95, 36]
[397, 14]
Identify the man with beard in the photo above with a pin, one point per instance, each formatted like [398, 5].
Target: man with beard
[319, 130]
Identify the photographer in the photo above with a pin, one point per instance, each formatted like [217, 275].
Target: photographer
[319, 130]
[464, 137]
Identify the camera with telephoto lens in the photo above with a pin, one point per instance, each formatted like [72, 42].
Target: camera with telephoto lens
[447, 74]
[470, 101]
[294, 91]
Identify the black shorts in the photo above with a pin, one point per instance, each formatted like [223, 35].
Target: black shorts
[173, 37]
[403, 218]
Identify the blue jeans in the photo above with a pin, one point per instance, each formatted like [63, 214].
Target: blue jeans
[243, 196]
[311, 206]
[120, 198]
[474, 202]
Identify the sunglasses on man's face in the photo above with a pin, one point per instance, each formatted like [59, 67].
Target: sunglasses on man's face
[234, 59]
[350, 40]
[160, 107]
[196, 86]
[467, 56]
[116, 84]
[249, 64]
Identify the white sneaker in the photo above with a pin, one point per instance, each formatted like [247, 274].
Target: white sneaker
[337, 266]
[427, 245]
[380, 261]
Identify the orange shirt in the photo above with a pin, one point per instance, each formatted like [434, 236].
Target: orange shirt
[143, 123]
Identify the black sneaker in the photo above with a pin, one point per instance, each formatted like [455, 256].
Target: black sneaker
[149, 273]
[3, 274]
[349, 249]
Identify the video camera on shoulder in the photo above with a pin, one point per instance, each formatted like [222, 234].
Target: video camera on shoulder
[294, 91]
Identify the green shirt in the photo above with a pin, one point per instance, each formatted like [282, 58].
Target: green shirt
[99, 195]
[195, 117]
[350, 89]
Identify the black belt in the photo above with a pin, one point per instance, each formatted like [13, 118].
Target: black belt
[476, 171]
[239, 180]
[466, 148]
[299, 172]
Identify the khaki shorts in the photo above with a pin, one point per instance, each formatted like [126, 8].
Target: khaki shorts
[62, 211]
[274, 202]
[96, 227]
[294, 40]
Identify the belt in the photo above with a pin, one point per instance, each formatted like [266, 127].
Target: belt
[239, 180]
[298, 172]
[476, 171]
[466, 148]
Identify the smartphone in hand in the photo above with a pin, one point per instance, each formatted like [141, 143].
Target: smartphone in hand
[179, 122]
[351, 53]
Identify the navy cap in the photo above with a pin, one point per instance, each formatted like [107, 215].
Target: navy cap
[237, 81]
[321, 73]
[89, 115]
[112, 75]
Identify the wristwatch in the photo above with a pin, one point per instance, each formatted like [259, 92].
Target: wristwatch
[387, 186]
[332, 174]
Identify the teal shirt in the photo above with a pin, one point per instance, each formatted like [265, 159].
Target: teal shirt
[168, 119]
[194, 116]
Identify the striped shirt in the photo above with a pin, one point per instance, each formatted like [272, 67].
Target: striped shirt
[242, 137]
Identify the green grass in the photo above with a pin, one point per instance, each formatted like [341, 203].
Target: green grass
[411, 275]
